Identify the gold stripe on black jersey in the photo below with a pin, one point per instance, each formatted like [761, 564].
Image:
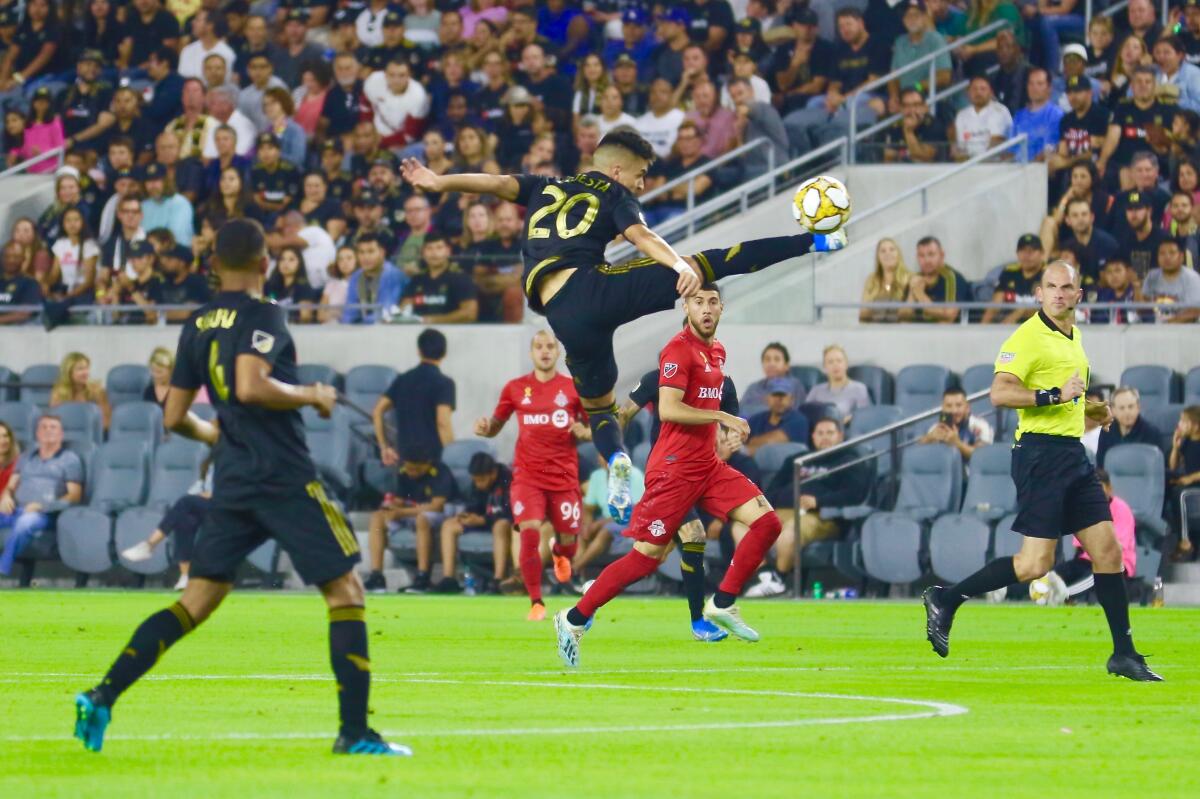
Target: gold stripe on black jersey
[337, 523]
[626, 267]
[531, 279]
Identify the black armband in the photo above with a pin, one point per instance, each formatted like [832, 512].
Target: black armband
[1047, 396]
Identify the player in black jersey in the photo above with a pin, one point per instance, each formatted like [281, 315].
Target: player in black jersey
[691, 536]
[569, 222]
[265, 486]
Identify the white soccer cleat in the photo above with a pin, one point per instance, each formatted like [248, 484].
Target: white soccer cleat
[181, 583]
[620, 498]
[768, 585]
[141, 551]
[730, 620]
[568, 638]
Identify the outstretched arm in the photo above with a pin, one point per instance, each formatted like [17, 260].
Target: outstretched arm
[422, 177]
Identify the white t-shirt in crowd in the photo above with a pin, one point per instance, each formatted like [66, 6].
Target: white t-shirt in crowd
[191, 59]
[762, 92]
[660, 131]
[392, 111]
[71, 257]
[606, 125]
[974, 129]
[369, 26]
[318, 255]
[242, 126]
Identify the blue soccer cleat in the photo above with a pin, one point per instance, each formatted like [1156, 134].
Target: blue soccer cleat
[705, 630]
[91, 720]
[830, 242]
[620, 499]
[371, 743]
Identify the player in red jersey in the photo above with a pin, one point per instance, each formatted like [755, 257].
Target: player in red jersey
[545, 483]
[683, 471]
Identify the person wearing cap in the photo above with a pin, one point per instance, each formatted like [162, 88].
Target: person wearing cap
[1039, 119]
[635, 95]
[801, 67]
[485, 509]
[1174, 70]
[635, 43]
[1082, 129]
[395, 46]
[919, 41]
[260, 76]
[780, 422]
[297, 50]
[164, 207]
[1074, 65]
[274, 183]
[1017, 282]
[671, 30]
[180, 285]
[747, 38]
[368, 213]
[206, 40]
[917, 137]
[1138, 122]
[340, 183]
[143, 288]
[84, 101]
[746, 68]
[1139, 239]
[400, 105]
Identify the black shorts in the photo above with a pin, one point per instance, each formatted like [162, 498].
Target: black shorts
[306, 525]
[593, 303]
[1058, 492]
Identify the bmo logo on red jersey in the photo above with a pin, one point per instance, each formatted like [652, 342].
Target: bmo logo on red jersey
[559, 418]
[707, 392]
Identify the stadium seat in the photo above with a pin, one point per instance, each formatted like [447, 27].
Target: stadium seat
[891, 548]
[978, 378]
[85, 540]
[1006, 543]
[86, 450]
[809, 376]
[176, 468]
[81, 421]
[1191, 387]
[770, 458]
[329, 444]
[365, 383]
[958, 546]
[991, 492]
[816, 411]
[127, 383]
[134, 525]
[641, 454]
[919, 387]
[36, 382]
[1138, 477]
[309, 373]
[1155, 384]
[878, 381]
[137, 421]
[476, 546]
[22, 418]
[1166, 419]
[121, 473]
[377, 477]
[457, 456]
[7, 379]
[868, 420]
[204, 411]
[930, 481]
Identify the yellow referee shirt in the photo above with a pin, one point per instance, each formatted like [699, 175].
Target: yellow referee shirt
[1042, 357]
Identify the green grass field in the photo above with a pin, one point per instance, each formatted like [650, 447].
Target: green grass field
[840, 699]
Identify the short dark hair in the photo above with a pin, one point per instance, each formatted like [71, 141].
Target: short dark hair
[710, 287]
[240, 245]
[433, 237]
[830, 420]
[168, 55]
[630, 141]
[431, 344]
[1174, 42]
[1172, 241]
[925, 241]
[954, 391]
[775, 345]
[849, 11]
[417, 453]
[481, 463]
[368, 237]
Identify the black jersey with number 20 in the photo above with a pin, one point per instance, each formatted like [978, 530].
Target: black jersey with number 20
[569, 221]
[260, 451]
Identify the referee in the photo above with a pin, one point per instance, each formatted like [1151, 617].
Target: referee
[1043, 372]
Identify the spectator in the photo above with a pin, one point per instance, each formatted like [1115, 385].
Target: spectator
[320, 210]
[297, 51]
[598, 527]
[716, 125]
[551, 92]
[921, 40]
[612, 112]
[473, 152]
[422, 23]
[165, 208]
[161, 364]
[35, 49]
[421, 488]
[801, 68]
[76, 253]
[1101, 52]
[418, 223]
[1137, 121]
[102, 32]
[368, 214]
[514, 133]
[671, 30]
[181, 522]
[1074, 66]
[498, 268]
[745, 67]
[1172, 287]
[288, 285]
[66, 195]
[1185, 139]
[46, 480]
[333, 298]
[1139, 240]
[983, 124]
[695, 71]
[1081, 132]
[918, 136]
[712, 25]
[193, 127]
[1040, 118]
[422, 400]
[1117, 285]
[477, 10]
[1141, 22]
[957, 426]
[1018, 282]
[1190, 35]
[591, 80]
[1011, 78]
[635, 43]
[317, 246]
[436, 159]
[776, 365]
[394, 46]
[149, 27]
[205, 42]
[369, 24]
[10, 451]
[1143, 173]
[16, 288]
[180, 285]
[688, 156]
[344, 103]
[838, 389]
[1129, 426]
[1091, 428]
[260, 77]
[376, 283]
[43, 131]
[1183, 471]
[114, 254]
[935, 283]
[439, 294]
[780, 422]
[485, 510]
[1096, 246]
[982, 53]
[1174, 70]
[36, 257]
[138, 285]
[887, 283]
[660, 124]
[222, 105]
[843, 488]
[754, 120]
[274, 183]
[229, 201]
[1181, 225]
[188, 175]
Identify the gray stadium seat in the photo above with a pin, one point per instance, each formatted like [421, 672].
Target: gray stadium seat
[868, 420]
[7, 379]
[477, 544]
[641, 454]
[85, 540]
[120, 476]
[309, 373]
[1166, 419]
[204, 411]
[816, 411]
[930, 481]
[978, 378]
[37, 380]
[137, 421]
[1155, 384]
[878, 381]
[1138, 477]
[772, 457]
[127, 383]
[1191, 387]
[457, 456]
[1006, 543]
[958, 546]
[365, 383]
[81, 421]
[329, 444]
[891, 548]
[134, 525]
[991, 492]
[22, 418]
[919, 387]
[86, 450]
[176, 467]
[809, 376]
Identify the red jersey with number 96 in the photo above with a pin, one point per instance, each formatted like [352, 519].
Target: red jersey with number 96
[697, 369]
[545, 454]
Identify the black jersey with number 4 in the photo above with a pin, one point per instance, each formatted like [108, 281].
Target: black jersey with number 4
[260, 451]
[569, 221]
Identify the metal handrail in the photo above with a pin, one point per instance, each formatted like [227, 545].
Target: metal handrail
[58, 153]
[957, 88]
[1111, 11]
[710, 166]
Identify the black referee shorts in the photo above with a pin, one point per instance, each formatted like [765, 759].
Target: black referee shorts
[306, 525]
[593, 303]
[1058, 492]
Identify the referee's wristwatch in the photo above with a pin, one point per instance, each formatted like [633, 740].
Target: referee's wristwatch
[1048, 396]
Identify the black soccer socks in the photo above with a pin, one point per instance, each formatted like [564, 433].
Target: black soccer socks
[751, 256]
[692, 570]
[996, 574]
[348, 656]
[150, 640]
[606, 431]
[1112, 595]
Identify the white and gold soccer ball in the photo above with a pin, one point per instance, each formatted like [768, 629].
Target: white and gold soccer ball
[821, 204]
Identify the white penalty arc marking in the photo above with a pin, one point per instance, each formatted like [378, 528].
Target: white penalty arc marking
[924, 709]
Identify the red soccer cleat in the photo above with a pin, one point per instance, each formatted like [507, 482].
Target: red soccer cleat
[562, 568]
[537, 613]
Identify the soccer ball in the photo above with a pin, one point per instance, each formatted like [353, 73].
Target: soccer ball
[821, 204]
[1039, 591]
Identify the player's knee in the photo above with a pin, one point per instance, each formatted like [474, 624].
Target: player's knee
[769, 523]
[656, 551]
[1031, 565]
[1106, 558]
[692, 532]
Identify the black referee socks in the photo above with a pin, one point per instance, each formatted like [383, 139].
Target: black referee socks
[1112, 595]
[996, 574]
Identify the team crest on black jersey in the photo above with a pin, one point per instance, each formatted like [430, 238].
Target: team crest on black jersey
[262, 342]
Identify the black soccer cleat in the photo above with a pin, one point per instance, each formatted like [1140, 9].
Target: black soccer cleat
[1133, 667]
[937, 621]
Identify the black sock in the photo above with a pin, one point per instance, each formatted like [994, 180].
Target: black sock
[1113, 597]
[751, 256]
[606, 431]
[537, 602]
[351, 668]
[996, 574]
[576, 617]
[724, 599]
[692, 569]
[150, 640]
